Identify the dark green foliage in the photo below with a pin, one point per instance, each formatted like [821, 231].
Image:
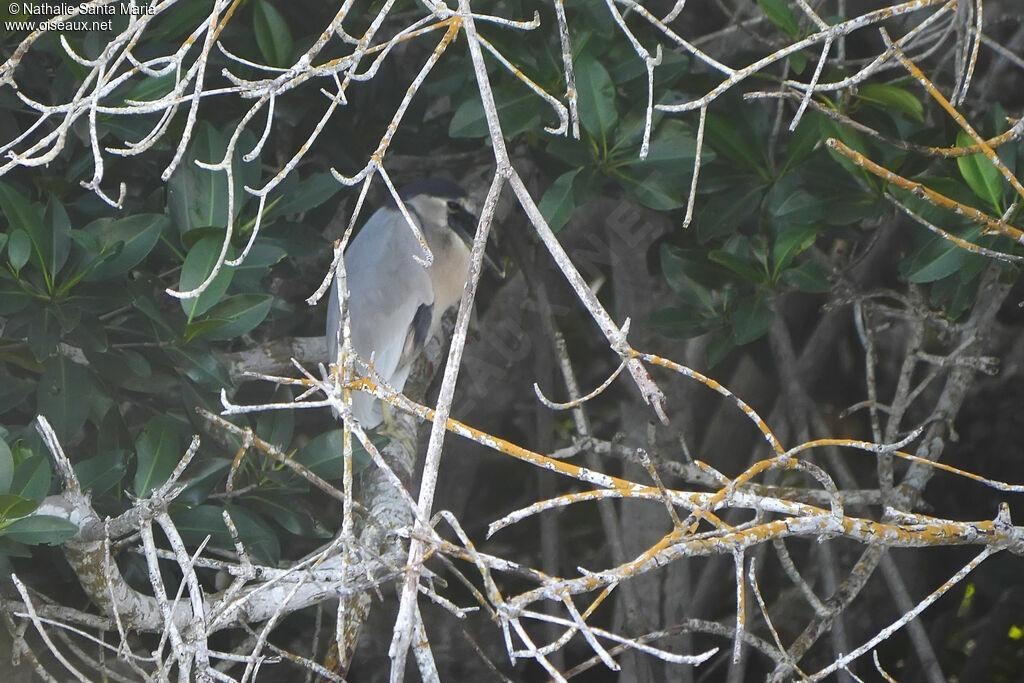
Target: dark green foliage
[92, 341]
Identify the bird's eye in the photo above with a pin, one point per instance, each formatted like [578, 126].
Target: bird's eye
[455, 207]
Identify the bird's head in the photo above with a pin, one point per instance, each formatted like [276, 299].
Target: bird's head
[441, 202]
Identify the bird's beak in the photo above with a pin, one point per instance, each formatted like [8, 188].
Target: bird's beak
[464, 224]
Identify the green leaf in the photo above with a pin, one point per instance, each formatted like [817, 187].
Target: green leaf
[13, 390]
[283, 513]
[201, 366]
[324, 455]
[630, 132]
[136, 235]
[569, 152]
[238, 315]
[207, 520]
[791, 241]
[798, 61]
[39, 529]
[788, 204]
[26, 218]
[8, 549]
[272, 34]
[675, 143]
[152, 88]
[18, 210]
[178, 25]
[257, 265]
[853, 140]
[202, 478]
[136, 363]
[102, 472]
[277, 426]
[845, 209]
[667, 169]
[719, 346]
[955, 294]
[724, 138]
[803, 140]
[938, 258]
[654, 185]
[20, 249]
[623, 67]
[85, 239]
[55, 219]
[780, 14]
[981, 175]
[256, 535]
[196, 197]
[892, 97]
[759, 248]
[677, 270]
[809, 276]
[43, 330]
[558, 203]
[64, 396]
[726, 211]
[6, 467]
[199, 263]
[737, 265]
[158, 450]
[517, 109]
[264, 254]
[682, 323]
[200, 328]
[302, 195]
[12, 507]
[596, 94]
[13, 299]
[751, 320]
[143, 303]
[197, 523]
[32, 478]
[953, 188]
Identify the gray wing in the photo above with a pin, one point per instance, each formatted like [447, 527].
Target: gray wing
[387, 290]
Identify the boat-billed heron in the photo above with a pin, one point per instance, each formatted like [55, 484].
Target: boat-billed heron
[395, 303]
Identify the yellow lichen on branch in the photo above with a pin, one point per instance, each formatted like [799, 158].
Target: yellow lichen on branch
[993, 226]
